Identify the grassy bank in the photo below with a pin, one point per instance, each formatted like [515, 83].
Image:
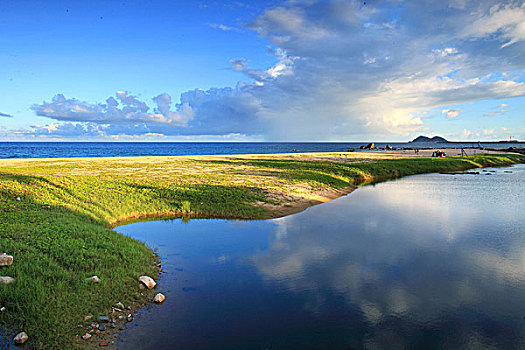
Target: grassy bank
[59, 231]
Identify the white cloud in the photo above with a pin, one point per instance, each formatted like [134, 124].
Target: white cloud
[343, 70]
[224, 27]
[466, 133]
[505, 21]
[445, 52]
[451, 113]
[125, 109]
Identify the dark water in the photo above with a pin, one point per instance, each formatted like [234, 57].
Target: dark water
[428, 261]
[129, 149]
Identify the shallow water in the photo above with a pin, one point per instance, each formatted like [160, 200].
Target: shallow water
[427, 261]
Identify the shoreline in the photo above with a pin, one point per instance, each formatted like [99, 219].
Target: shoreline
[66, 208]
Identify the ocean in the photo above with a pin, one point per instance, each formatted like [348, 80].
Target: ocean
[132, 149]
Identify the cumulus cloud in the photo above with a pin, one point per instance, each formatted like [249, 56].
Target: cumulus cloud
[5, 115]
[213, 112]
[343, 70]
[124, 109]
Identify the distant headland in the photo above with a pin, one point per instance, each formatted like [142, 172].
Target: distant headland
[435, 139]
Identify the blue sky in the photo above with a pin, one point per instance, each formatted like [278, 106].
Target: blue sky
[333, 70]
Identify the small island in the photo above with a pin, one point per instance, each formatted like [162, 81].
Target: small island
[435, 139]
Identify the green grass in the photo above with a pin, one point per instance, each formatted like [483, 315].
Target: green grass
[60, 232]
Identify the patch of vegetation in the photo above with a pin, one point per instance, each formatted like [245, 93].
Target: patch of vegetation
[59, 232]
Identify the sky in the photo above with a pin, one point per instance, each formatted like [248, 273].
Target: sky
[311, 70]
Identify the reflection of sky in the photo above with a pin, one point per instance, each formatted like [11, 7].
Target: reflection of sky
[424, 260]
[427, 250]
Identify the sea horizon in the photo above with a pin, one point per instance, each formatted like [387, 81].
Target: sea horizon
[76, 149]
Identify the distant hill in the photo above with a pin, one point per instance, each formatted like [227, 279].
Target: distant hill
[435, 139]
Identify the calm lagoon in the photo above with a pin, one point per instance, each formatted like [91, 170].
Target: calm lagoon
[426, 261]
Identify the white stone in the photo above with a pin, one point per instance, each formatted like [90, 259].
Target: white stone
[6, 279]
[86, 336]
[5, 260]
[21, 338]
[159, 298]
[18, 199]
[93, 279]
[148, 281]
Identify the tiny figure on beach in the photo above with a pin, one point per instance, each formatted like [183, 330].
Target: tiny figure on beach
[439, 154]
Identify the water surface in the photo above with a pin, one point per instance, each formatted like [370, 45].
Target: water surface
[427, 261]
[129, 149]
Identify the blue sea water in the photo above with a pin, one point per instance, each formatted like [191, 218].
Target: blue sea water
[130, 149]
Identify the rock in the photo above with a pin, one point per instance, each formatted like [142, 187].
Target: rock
[370, 145]
[119, 305]
[362, 147]
[21, 338]
[88, 317]
[101, 327]
[128, 307]
[5, 260]
[86, 336]
[6, 279]
[104, 319]
[130, 317]
[148, 281]
[93, 279]
[113, 325]
[159, 298]
[388, 147]
[2, 309]
[18, 199]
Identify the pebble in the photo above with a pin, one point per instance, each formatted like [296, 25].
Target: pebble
[21, 338]
[93, 278]
[2, 309]
[6, 279]
[119, 305]
[148, 281]
[130, 317]
[5, 260]
[103, 319]
[88, 317]
[101, 327]
[18, 199]
[86, 336]
[159, 298]
[113, 325]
